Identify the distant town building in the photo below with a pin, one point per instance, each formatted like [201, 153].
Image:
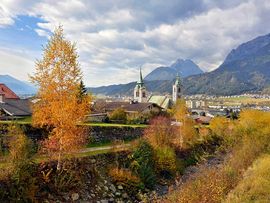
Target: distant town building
[176, 93]
[140, 90]
[193, 104]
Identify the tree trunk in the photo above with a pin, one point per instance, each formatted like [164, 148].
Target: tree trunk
[59, 163]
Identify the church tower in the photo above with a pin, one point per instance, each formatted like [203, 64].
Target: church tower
[176, 94]
[140, 90]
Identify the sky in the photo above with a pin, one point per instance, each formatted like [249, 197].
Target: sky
[115, 37]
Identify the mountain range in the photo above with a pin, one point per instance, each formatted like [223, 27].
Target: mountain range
[182, 67]
[17, 86]
[245, 69]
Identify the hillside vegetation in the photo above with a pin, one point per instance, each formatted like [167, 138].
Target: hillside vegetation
[244, 141]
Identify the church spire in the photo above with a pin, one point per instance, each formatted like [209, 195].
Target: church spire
[140, 90]
[178, 80]
[141, 78]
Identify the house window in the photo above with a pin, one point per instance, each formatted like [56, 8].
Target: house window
[137, 94]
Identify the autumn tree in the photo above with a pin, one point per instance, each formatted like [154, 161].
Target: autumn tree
[160, 133]
[186, 131]
[61, 105]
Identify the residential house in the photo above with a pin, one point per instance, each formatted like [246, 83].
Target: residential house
[11, 106]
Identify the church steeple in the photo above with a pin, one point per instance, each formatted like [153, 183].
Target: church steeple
[140, 90]
[177, 81]
[141, 78]
[177, 89]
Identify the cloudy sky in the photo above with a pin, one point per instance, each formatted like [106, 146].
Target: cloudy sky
[115, 37]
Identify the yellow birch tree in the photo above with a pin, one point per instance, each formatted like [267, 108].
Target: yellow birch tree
[60, 106]
[187, 132]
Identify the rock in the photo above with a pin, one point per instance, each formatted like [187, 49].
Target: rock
[98, 188]
[104, 201]
[106, 188]
[125, 195]
[112, 188]
[120, 187]
[118, 194]
[50, 196]
[93, 195]
[105, 181]
[93, 161]
[111, 200]
[75, 196]
[66, 197]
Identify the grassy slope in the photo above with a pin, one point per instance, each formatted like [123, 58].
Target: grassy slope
[255, 186]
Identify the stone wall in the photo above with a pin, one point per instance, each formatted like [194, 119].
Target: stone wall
[96, 133]
[103, 134]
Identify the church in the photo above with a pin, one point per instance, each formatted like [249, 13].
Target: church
[166, 102]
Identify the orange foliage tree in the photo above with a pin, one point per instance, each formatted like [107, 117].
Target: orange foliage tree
[60, 105]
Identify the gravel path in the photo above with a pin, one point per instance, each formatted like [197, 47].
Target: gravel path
[110, 147]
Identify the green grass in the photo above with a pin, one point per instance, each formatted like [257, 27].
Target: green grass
[107, 143]
[243, 100]
[115, 125]
[28, 120]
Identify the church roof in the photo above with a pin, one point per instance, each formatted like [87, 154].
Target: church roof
[162, 101]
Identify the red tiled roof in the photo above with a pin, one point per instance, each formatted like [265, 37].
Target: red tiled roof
[8, 93]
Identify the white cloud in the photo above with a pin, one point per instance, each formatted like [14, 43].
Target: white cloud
[42, 33]
[114, 38]
[17, 64]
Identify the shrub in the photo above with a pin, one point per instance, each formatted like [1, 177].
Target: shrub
[118, 115]
[160, 133]
[124, 177]
[165, 161]
[22, 178]
[142, 163]
[226, 130]
[209, 187]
